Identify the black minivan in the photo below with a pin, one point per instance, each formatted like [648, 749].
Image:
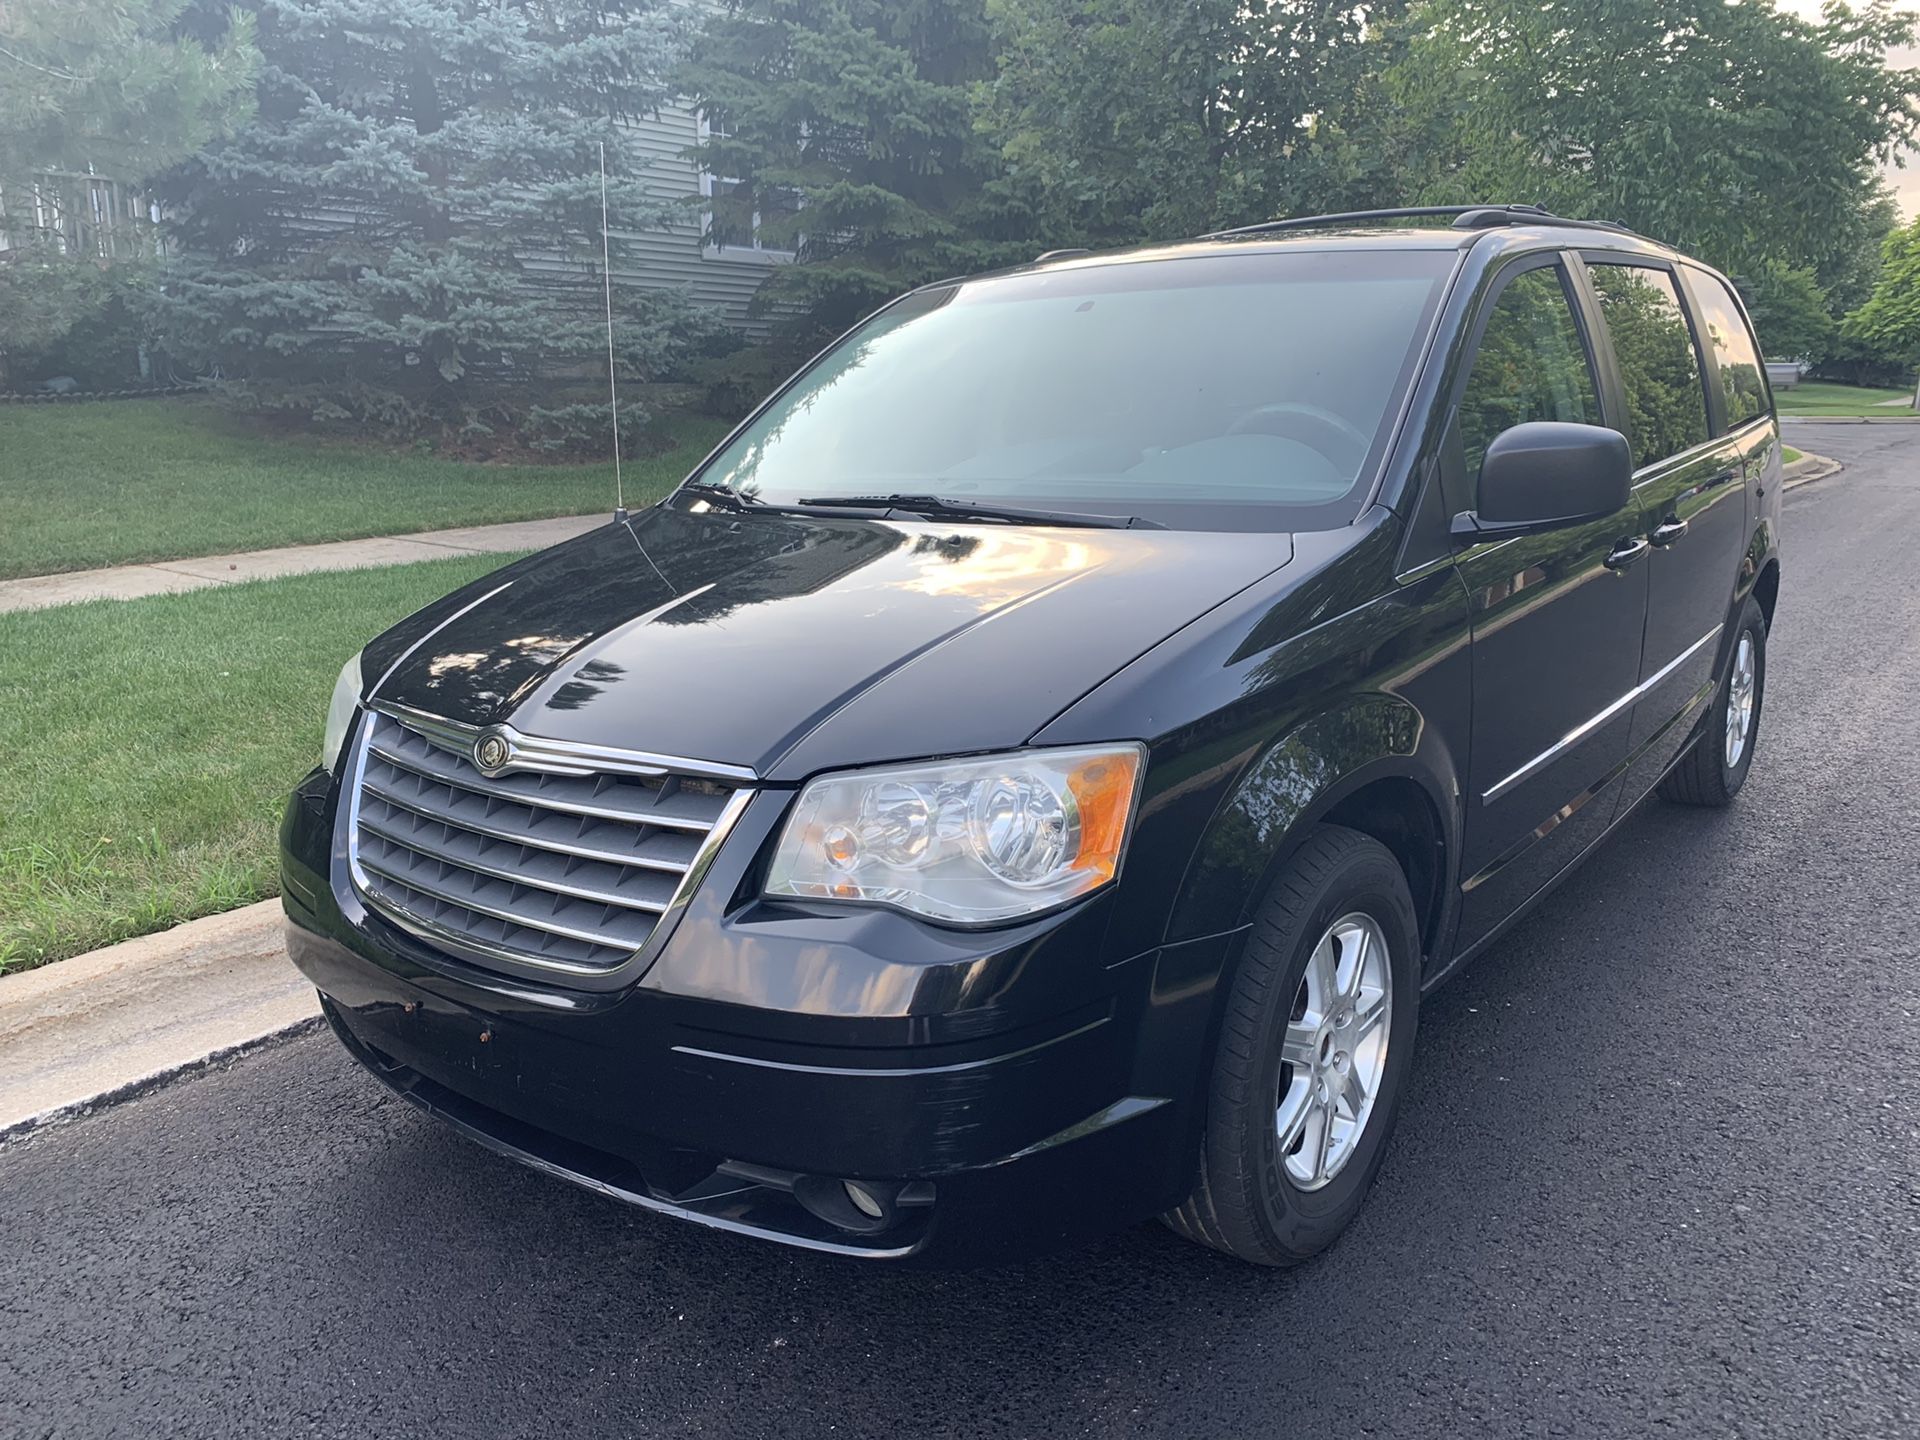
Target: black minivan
[1024, 780]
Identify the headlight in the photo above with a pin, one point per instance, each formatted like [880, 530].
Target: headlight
[970, 842]
[346, 699]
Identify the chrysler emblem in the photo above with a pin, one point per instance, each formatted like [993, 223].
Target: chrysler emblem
[490, 752]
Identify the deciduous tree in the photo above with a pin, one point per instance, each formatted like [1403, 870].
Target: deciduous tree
[1735, 131]
[1153, 119]
[1790, 311]
[1889, 322]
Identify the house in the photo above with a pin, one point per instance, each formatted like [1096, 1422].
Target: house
[82, 214]
[722, 276]
[94, 215]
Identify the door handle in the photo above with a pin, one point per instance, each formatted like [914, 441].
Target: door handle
[1625, 552]
[1667, 532]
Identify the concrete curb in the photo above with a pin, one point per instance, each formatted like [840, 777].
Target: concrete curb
[88, 1032]
[159, 1079]
[1809, 468]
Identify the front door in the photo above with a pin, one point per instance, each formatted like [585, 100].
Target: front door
[1557, 619]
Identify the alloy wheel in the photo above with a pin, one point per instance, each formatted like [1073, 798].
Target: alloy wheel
[1334, 1054]
[1740, 695]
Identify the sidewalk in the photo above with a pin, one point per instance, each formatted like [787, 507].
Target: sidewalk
[1851, 419]
[165, 577]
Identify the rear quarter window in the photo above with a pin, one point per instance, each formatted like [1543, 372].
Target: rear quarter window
[1743, 381]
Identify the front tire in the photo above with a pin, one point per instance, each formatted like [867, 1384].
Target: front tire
[1314, 1050]
[1712, 772]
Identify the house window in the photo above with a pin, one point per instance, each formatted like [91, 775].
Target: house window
[739, 212]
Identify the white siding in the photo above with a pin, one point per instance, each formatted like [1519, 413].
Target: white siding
[676, 256]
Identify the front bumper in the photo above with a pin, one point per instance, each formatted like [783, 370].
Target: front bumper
[1008, 1094]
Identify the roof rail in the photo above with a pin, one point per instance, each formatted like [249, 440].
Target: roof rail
[1461, 217]
[1064, 254]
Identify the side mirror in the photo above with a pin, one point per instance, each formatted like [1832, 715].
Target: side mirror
[1546, 474]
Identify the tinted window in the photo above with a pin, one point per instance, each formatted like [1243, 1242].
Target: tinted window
[1531, 365]
[1666, 399]
[1236, 389]
[1743, 385]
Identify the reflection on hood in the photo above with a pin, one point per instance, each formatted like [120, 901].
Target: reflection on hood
[737, 637]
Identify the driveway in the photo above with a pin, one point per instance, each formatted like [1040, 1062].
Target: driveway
[1659, 1173]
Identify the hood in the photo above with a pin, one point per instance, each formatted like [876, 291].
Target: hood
[792, 644]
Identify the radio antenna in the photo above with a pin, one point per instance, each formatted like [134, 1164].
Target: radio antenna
[613, 388]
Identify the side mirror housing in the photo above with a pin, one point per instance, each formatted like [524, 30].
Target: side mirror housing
[1547, 474]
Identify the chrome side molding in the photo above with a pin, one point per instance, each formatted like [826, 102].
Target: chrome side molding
[1586, 727]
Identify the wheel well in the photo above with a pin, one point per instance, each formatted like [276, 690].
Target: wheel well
[1397, 812]
[1767, 590]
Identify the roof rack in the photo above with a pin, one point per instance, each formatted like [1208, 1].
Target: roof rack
[1461, 217]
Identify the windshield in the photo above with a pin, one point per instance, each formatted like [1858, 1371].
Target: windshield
[1235, 391]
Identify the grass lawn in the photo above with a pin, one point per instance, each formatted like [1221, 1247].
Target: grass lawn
[87, 485]
[1817, 397]
[1788, 454]
[150, 744]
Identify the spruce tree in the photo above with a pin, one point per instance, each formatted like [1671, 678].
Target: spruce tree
[407, 237]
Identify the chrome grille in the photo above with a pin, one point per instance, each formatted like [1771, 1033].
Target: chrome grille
[569, 868]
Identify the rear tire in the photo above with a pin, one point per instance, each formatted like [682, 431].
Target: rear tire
[1712, 772]
[1337, 927]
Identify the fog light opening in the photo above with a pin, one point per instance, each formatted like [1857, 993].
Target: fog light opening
[860, 1207]
[864, 1201]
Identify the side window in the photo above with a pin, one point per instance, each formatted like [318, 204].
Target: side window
[1743, 385]
[1659, 366]
[1531, 365]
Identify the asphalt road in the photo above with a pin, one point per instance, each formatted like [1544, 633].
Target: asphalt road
[1657, 1175]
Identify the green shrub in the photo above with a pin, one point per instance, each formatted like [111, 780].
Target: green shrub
[582, 430]
[62, 316]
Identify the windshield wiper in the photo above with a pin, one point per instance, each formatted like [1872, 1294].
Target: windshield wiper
[723, 496]
[943, 507]
[726, 497]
